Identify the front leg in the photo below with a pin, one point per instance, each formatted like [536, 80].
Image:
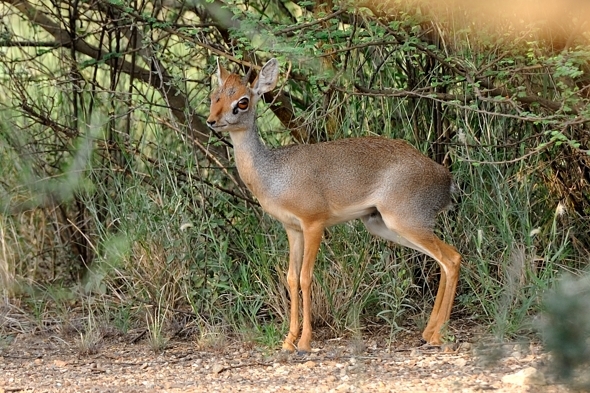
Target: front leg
[296, 245]
[312, 237]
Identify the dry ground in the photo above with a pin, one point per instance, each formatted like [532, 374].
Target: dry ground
[50, 363]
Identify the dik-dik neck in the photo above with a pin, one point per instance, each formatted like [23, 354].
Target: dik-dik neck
[250, 153]
[247, 142]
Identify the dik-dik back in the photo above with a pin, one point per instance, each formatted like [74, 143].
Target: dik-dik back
[345, 179]
[394, 189]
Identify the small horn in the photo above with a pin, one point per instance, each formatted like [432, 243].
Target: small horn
[246, 77]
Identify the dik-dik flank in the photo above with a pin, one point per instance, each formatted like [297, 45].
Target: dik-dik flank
[395, 190]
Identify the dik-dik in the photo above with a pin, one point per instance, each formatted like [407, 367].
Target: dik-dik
[395, 190]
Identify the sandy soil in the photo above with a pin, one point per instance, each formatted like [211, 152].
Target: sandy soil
[50, 363]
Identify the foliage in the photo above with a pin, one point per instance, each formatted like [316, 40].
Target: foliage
[112, 187]
[566, 327]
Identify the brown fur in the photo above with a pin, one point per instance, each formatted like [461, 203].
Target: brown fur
[394, 189]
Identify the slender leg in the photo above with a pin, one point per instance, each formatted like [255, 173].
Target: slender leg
[312, 239]
[295, 237]
[429, 330]
[450, 262]
[447, 257]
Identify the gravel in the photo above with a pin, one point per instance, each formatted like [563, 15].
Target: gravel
[45, 363]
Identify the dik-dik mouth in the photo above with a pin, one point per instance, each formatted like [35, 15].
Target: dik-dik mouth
[217, 126]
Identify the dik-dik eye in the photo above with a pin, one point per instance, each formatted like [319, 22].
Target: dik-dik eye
[241, 105]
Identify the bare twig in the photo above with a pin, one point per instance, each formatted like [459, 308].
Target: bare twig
[309, 24]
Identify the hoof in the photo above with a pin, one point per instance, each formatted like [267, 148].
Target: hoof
[302, 353]
[432, 340]
[288, 348]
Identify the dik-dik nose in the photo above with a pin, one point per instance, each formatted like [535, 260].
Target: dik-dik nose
[211, 123]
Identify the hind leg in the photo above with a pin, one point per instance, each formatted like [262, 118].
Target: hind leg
[423, 239]
[375, 225]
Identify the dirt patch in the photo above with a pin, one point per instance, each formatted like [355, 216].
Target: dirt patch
[50, 363]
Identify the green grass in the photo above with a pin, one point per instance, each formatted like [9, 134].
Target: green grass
[161, 242]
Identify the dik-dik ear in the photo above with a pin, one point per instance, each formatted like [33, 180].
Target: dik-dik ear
[267, 78]
[222, 73]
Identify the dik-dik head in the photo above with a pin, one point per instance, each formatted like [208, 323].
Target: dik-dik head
[233, 103]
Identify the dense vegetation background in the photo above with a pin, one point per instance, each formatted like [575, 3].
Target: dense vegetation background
[119, 208]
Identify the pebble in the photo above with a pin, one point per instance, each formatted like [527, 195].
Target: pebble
[527, 376]
[217, 368]
[461, 362]
[59, 363]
